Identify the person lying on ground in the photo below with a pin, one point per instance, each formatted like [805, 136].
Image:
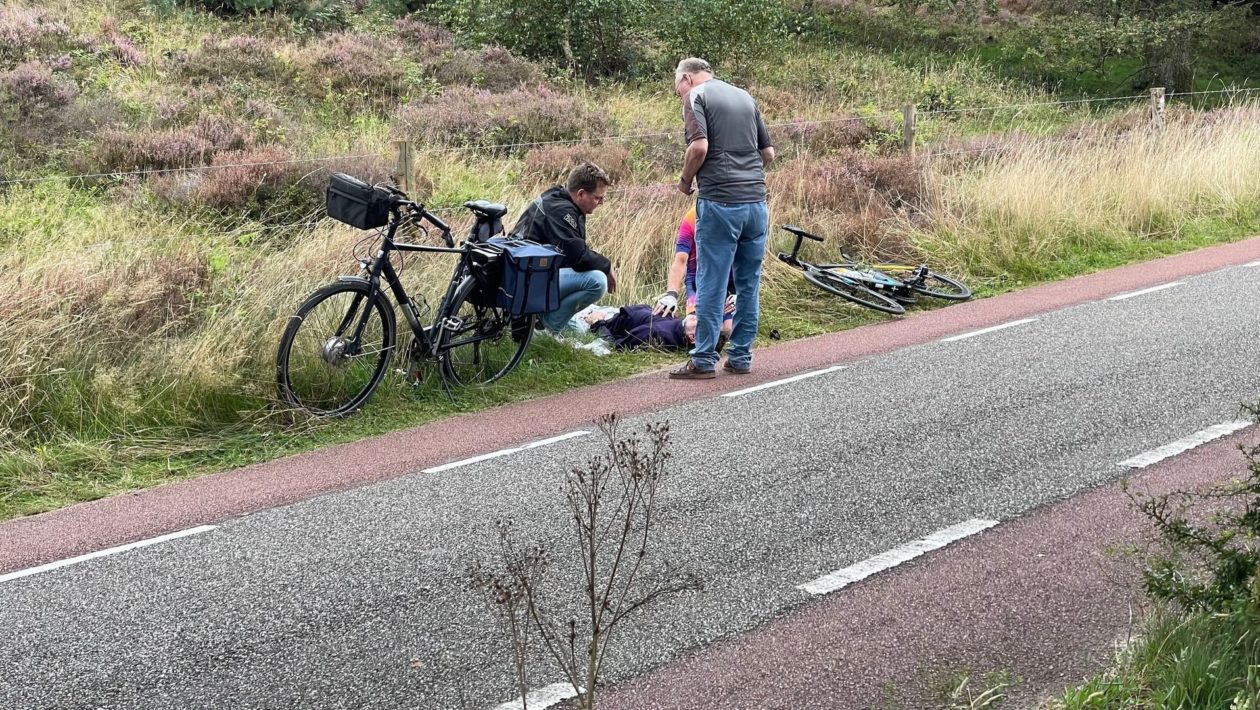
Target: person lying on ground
[682, 274]
[636, 327]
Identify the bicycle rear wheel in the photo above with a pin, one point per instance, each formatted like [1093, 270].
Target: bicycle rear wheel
[850, 291]
[321, 366]
[480, 343]
[940, 286]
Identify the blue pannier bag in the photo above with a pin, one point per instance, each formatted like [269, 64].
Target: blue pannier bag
[531, 276]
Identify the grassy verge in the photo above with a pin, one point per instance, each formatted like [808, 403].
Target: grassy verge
[1204, 660]
[77, 466]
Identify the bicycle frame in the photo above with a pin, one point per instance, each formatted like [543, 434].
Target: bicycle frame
[381, 267]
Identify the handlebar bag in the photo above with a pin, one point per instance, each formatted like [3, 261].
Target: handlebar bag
[356, 203]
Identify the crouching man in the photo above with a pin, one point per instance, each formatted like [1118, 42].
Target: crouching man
[558, 218]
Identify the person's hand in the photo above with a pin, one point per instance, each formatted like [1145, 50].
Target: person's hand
[730, 303]
[666, 305]
[684, 186]
[612, 282]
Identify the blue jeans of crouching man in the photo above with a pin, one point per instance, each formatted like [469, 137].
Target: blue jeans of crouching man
[578, 289]
[730, 237]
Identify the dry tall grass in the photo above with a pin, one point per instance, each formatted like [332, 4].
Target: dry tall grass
[1040, 200]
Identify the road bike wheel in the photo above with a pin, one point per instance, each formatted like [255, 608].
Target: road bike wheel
[480, 343]
[834, 284]
[940, 286]
[318, 367]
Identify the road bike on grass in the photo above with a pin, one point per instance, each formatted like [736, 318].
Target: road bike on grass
[886, 287]
[338, 345]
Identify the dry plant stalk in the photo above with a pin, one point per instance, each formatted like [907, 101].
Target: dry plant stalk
[613, 503]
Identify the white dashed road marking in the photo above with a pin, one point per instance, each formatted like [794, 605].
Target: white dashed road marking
[542, 698]
[902, 553]
[776, 383]
[504, 452]
[974, 333]
[1145, 291]
[1185, 444]
[102, 553]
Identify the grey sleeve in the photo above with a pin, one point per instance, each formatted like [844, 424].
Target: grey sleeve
[695, 123]
[763, 134]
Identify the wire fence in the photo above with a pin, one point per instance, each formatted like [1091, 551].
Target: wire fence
[507, 147]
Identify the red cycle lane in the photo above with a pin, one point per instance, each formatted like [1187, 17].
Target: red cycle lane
[120, 519]
[1039, 597]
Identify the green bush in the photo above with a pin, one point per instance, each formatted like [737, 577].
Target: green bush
[730, 34]
[307, 14]
[589, 37]
[1211, 556]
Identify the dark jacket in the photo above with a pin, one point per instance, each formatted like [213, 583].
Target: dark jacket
[554, 219]
[636, 327]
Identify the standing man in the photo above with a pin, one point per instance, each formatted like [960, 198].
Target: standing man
[558, 218]
[728, 148]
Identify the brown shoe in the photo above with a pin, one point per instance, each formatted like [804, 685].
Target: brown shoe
[689, 372]
[735, 370]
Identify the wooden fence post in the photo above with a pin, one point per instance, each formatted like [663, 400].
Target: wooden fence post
[404, 165]
[908, 114]
[1157, 107]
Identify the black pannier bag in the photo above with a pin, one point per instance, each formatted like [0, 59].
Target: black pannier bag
[486, 265]
[356, 203]
[518, 275]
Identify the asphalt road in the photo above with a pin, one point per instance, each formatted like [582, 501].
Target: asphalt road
[360, 599]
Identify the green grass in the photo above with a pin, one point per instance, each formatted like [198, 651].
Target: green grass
[1199, 661]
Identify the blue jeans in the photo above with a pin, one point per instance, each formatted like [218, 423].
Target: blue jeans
[729, 238]
[578, 289]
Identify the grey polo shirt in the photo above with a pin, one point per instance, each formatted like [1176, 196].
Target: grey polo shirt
[727, 116]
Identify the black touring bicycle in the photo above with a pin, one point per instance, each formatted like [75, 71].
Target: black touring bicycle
[337, 347]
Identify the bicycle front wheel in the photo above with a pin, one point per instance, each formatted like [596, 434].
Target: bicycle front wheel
[322, 366]
[480, 343]
[940, 286]
[851, 291]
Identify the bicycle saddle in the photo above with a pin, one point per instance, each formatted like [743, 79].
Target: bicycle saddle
[483, 208]
[801, 233]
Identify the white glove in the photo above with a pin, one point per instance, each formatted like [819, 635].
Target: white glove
[730, 303]
[666, 305]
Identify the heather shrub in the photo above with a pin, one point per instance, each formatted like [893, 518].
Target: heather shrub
[35, 107]
[372, 169]
[266, 183]
[34, 92]
[851, 182]
[551, 164]
[239, 57]
[421, 37]
[30, 34]
[472, 117]
[236, 180]
[659, 154]
[822, 137]
[354, 68]
[121, 47]
[492, 68]
[122, 150]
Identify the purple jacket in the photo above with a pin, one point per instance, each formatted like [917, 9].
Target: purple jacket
[636, 327]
